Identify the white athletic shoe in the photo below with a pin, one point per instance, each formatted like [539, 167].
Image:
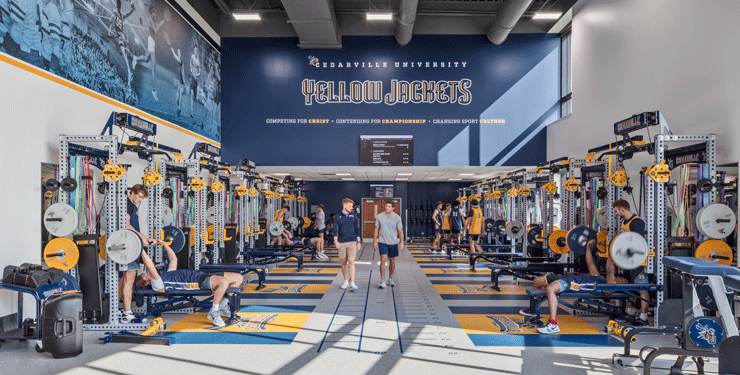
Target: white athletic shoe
[323, 256]
[549, 328]
[215, 318]
[345, 285]
[127, 318]
[391, 283]
[225, 312]
[382, 284]
[353, 287]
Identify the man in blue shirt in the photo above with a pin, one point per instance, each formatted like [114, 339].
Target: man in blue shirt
[347, 238]
[174, 279]
[457, 217]
[126, 283]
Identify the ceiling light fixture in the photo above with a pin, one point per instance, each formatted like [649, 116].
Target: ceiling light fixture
[454, 179]
[247, 16]
[375, 16]
[280, 174]
[546, 16]
[405, 174]
[466, 174]
[344, 174]
[401, 179]
[348, 179]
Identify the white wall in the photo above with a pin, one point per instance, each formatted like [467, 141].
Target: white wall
[34, 110]
[681, 57]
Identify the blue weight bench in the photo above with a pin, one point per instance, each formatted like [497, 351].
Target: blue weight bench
[466, 249]
[242, 268]
[530, 271]
[596, 301]
[182, 299]
[263, 256]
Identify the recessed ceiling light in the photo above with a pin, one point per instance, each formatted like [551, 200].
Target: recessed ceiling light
[344, 174]
[405, 174]
[348, 179]
[454, 179]
[247, 16]
[375, 16]
[401, 179]
[546, 16]
[466, 174]
[280, 174]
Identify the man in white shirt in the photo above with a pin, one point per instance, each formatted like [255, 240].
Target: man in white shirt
[388, 240]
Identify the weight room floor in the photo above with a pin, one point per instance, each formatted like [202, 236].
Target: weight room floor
[434, 321]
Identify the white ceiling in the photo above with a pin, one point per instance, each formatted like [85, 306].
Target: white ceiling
[424, 174]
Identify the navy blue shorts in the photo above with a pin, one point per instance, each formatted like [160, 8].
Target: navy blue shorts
[390, 250]
[322, 231]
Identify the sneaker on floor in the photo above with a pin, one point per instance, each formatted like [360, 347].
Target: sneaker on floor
[641, 322]
[225, 312]
[127, 318]
[391, 282]
[549, 328]
[345, 285]
[215, 318]
[324, 257]
[526, 312]
[353, 287]
[382, 284]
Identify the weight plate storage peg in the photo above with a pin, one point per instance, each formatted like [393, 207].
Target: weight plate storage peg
[124, 246]
[276, 228]
[60, 219]
[629, 250]
[558, 242]
[578, 238]
[51, 184]
[69, 184]
[166, 216]
[499, 227]
[704, 185]
[211, 215]
[602, 217]
[716, 251]
[61, 253]
[175, 237]
[515, 229]
[715, 221]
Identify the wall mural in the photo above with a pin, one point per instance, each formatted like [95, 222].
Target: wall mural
[139, 52]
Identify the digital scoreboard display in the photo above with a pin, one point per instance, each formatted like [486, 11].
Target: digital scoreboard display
[382, 191]
[386, 150]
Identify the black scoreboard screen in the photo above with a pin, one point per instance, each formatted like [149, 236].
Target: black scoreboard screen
[387, 150]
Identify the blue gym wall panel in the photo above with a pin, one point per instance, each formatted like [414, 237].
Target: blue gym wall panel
[518, 82]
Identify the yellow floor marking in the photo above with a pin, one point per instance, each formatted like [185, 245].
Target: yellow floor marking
[495, 323]
[245, 322]
[288, 288]
[478, 289]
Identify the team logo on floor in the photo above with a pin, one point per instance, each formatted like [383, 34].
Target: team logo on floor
[311, 270]
[254, 323]
[286, 288]
[454, 270]
[504, 324]
[473, 289]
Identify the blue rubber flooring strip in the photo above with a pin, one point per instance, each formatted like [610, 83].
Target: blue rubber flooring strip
[498, 310]
[492, 297]
[256, 338]
[278, 309]
[601, 340]
[280, 296]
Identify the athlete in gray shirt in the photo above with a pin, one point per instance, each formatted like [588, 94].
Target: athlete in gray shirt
[388, 240]
[320, 226]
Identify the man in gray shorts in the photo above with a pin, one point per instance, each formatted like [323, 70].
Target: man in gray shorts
[388, 240]
[347, 237]
[320, 226]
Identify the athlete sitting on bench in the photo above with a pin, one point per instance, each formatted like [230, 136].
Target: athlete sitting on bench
[568, 282]
[174, 279]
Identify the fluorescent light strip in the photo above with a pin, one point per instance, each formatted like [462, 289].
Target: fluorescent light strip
[466, 174]
[546, 16]
[454, 179]
[405, 174]
[378, 16]
[280, 174]
[247, 16]
[344, 174]
[348, 179]
[402, 179]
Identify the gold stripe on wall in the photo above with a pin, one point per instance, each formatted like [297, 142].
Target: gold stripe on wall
[84, 90]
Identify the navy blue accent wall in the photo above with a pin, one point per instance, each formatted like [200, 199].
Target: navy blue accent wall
[331, 193]
[514, 94]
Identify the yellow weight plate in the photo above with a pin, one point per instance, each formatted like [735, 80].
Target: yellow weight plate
[101, 247]
[558, 241]
[61, 253]
[602, 239]
[716, 251]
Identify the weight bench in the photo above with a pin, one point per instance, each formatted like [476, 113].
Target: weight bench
[595, 301]
[182, 299]
[259, 269]
[530, 271]
[496, 258]
[466, 249]
[264, 256]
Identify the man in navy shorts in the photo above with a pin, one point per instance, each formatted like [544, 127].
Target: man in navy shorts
[388, 240]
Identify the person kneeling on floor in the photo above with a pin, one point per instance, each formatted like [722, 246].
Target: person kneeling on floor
[173, 279]
[555, 284]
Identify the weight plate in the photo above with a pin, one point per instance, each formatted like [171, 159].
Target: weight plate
[276, 228]
[499, 227]
[167, 193]
[124, 246]
[301, 221]
[715, 221]
[558, 242]
[101, 247]
[60, 219]
[166, 216]
[176, 235]
[602, 239]
[287, 225]
[489, 225]
[51, 184]
[515, 229]
[211, 215]
[534, 236]
[68, 184]
[578, 238]
[629, 250]
[294, 222]
[706, 332]
[716, 251]
[602, 217]
[704, 185]
[306, 222]
[61, 253]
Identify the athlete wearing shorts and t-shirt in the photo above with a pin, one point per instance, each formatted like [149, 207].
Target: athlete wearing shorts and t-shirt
[347, 237]
[388, 240]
